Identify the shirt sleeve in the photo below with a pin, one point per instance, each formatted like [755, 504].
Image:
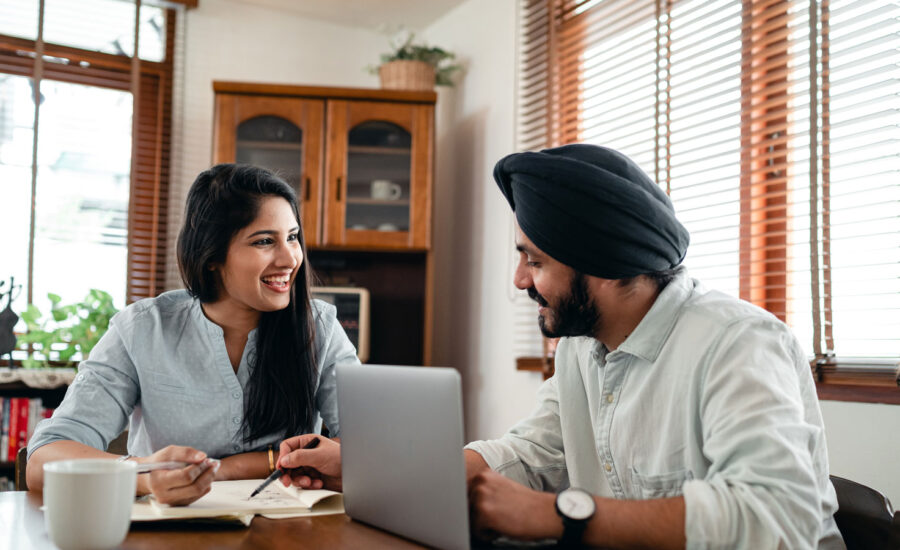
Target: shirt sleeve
[334, 348]
[761, 487]
[531, 453]
[100, 400]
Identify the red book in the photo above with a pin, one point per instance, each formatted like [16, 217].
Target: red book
[22, 437]
[13, 428]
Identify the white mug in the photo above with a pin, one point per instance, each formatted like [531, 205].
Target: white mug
[87, 502]
[386, 190]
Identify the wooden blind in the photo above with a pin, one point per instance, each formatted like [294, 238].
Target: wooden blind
[148, 208]
[151, 84]
[773, 125]
[533, 118]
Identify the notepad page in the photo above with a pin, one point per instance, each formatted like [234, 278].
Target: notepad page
[233, 497]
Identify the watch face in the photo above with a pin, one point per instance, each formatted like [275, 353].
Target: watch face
[576, 504]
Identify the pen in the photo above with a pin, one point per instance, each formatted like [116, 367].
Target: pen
[279, 472]
[170, 465]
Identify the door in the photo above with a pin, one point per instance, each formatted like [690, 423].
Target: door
[378, 175]
[284, 135]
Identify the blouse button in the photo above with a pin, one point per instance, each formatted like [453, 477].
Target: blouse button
[608, 467]
[610, 398]
[236, 395]
[236, 420]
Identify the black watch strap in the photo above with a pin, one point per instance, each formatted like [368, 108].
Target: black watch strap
[573, 531]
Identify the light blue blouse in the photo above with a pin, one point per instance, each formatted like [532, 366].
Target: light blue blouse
[162, 368]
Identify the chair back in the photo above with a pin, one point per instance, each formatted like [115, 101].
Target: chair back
[21, 460]
[117, 446]
[865, 516]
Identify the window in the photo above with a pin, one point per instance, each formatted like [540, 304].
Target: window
[774, 126]
[84, 147]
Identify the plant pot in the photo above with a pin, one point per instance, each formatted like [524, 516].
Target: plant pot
[406, 75]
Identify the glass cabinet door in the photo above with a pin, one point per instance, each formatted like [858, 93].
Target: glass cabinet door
[378, 175]
[283, 136]
[274, 143]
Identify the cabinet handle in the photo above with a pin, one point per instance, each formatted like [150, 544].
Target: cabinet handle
[306, 198]
[338, 198]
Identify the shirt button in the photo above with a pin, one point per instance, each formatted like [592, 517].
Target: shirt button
[236, 420]
[236, 395]
[608, 467]
[610, 398]
[236, 447]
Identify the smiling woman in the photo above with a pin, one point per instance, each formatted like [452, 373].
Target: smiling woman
[247, 357]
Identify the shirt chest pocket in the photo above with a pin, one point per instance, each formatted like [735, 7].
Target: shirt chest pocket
[172, 387]
[648, 486]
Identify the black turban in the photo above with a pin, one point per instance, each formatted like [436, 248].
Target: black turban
[593, 209]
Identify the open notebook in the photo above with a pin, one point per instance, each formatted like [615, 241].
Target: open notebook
[231, 499]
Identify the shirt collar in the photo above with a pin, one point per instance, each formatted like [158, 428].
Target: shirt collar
[648, 338]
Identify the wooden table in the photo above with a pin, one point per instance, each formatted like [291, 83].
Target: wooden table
[22, 528]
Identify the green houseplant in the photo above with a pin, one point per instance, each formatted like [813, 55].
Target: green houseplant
[70, 329]
[415, 66]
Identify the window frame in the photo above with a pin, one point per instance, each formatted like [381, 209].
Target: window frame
[152, 85]
[764, 197]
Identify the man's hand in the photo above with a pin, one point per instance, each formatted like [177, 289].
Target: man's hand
[183, 486]
[500, 506]
[315, 468]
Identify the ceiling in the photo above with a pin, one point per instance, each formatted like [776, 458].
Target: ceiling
[375, 15]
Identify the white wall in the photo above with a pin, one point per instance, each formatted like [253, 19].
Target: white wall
[473, 223]
[863, 444]
[475, 126]
[230, 40]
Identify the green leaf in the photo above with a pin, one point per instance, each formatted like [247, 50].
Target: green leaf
[54, 298]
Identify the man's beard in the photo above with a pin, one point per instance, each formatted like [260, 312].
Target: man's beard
[574, 315]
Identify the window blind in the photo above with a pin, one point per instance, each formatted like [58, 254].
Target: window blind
[773, 125]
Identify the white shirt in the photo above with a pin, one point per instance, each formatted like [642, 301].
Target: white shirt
[710, 398]
[162, 369]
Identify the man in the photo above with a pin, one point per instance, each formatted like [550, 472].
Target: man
[677, 417]
[689, 417]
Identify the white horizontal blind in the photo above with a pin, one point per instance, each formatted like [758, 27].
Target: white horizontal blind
[861, 159]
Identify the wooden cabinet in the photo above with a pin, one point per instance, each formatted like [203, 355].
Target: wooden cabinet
[361, 162]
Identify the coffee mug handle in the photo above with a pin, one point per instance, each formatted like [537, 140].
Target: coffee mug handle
[396, 191]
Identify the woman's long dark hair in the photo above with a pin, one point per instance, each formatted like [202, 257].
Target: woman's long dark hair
[283, 371]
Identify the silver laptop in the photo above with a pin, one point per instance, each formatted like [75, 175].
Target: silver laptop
[401, 451]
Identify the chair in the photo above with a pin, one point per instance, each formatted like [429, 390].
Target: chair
[865, 517]
[116, 446]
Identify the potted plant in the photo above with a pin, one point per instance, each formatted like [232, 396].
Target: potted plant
[410, 66]
[70, 329]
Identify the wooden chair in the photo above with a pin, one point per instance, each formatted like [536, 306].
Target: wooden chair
[117, 446]
[865, 517]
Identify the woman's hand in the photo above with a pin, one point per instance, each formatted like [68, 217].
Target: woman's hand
[311, 468]
[182, 486]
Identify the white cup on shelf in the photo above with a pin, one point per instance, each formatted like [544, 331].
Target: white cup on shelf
[87, 502]
[386, 190]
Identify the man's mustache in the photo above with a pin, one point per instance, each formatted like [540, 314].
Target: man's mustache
[533, 294]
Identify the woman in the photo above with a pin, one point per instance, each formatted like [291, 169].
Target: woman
[227, 368]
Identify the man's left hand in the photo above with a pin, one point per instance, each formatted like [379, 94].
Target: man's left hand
[500, 506]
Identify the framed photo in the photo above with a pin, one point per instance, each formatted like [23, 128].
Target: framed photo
[352, 305]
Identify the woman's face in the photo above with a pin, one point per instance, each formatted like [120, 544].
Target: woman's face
[263, 259]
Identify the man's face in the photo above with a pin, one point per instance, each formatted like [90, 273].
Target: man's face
[567, 308]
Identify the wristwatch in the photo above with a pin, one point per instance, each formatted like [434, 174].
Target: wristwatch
[575, 507]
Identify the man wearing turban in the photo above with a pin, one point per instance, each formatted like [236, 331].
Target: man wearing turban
[678, 416]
